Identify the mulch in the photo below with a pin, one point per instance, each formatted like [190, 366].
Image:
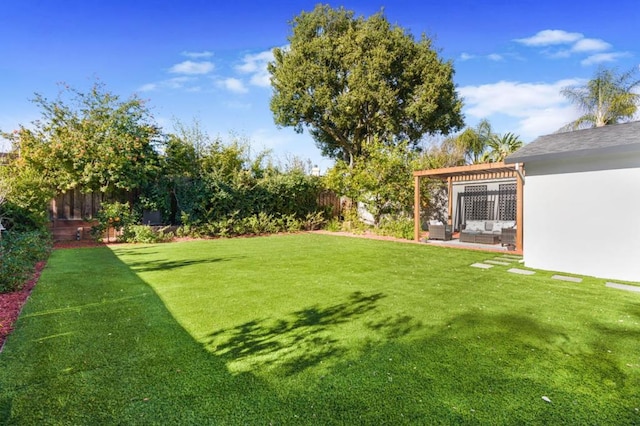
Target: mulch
[11, 303]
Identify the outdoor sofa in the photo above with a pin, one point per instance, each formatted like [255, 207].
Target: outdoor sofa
[489, 232]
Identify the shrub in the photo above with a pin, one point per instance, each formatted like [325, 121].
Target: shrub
[352, 222]
[396, 227]
[112, 215]
[19, 252]
[143, 234]
[313, 221]
[334, 225]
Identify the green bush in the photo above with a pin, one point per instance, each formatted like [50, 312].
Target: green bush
[257, 224]
[143, 234]
[334, 225]
[396, 227]
[112, 216]
[19, 252]
[19, 219]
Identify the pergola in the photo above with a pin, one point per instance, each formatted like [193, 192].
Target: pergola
[469, 173]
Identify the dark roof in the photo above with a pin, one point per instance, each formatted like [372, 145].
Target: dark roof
[615, 138]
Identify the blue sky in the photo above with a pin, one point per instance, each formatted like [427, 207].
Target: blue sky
[207, 60]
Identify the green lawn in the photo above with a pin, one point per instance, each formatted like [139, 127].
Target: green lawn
[316, 329]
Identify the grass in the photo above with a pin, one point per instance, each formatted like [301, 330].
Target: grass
[316, 329]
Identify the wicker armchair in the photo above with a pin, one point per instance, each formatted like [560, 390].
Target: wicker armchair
[440, 232]
[508, 237]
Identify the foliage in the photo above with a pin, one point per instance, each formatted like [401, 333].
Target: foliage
[258, 224]
[94, 141]
[26, 198]
[399, 227]
[144, 234]
[213, 182]
[19, 252]
[608, 98]
[349, 80]
[382, 180]
[114, 216]
[334, 225]
[500, 146]
[473, 141]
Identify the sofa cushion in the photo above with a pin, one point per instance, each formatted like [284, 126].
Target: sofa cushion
[474, 225]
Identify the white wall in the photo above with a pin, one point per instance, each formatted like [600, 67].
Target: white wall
[582, 216]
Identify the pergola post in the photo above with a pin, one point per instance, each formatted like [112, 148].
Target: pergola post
[416, 208]
[519, 210]
[449, 200]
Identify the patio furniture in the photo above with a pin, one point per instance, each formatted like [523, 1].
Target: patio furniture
[508, 237]
[488, 232]
[439, 232]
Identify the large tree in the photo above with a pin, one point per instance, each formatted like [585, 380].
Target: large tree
[93, 141]
[350, 80]
[608, 98]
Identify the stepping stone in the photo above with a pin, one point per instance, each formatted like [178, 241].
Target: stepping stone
[565, 278]
[497, 262]
[508, 259]
[511, 257]
[482, 265]
[521, 271]
[624, 287]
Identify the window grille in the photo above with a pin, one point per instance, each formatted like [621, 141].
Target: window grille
[476, 205]
[507, 201]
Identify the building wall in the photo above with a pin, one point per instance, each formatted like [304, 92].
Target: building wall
[582, 216]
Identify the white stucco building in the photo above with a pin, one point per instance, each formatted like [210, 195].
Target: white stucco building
[582, 202]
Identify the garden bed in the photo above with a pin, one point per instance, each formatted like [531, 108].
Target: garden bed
[11, 303]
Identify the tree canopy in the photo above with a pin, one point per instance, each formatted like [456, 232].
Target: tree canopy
[608, 98]
[349, 80]
[92, 141]
[500, 146]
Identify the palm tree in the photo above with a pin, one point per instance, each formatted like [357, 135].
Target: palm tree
[606, 99]
[501, 146]
[474, 141]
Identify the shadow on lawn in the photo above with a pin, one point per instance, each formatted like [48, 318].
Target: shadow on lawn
[164, 265]
[305, 339]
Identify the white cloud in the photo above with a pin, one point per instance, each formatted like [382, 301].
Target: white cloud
[535, 108]
[197, 55]
[192, 68]
[545, 121]
[590, 45]
[550, 37]
[233, 85]
[149, 87]
[256, 66]
[171, 83]
[495, 57]
[576, 44]
[465, 56]
[599, 58]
